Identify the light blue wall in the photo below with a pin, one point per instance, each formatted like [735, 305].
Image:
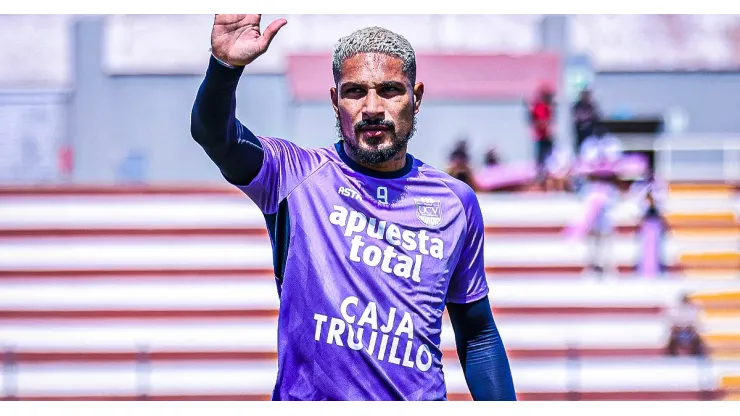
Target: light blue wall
[712, 100]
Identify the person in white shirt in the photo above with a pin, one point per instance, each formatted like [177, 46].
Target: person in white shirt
[599, 159]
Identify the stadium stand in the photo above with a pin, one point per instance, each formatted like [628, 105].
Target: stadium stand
[720, 221]
[167, 292]
[731, 385]
[144, 43]
[131, 48]
[36, 38]
[617, 42]
[721, 318]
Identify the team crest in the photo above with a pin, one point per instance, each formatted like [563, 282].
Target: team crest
[429, 211]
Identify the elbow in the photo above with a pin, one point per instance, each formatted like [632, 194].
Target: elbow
[199, 125]
[198, 130]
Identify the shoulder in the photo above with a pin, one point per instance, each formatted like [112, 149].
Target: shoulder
[462, 191]
[284, 147]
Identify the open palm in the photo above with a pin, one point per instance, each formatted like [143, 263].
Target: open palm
[236, 38]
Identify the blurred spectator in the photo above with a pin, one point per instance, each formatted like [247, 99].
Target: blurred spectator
[541, 116]
[600, 154]
[599, 158]
[461, 149]
[585, 113]
[652, 228]
[684, 336]
[491, 158]
[559, 167]
[459, 166]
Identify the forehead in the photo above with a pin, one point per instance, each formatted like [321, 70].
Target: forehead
[371, 68]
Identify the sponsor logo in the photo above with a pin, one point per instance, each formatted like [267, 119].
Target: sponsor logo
[380, 243]
[351, 193]
[429, 211]
[362, 329]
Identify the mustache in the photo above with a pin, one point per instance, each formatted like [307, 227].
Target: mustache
[377, 123]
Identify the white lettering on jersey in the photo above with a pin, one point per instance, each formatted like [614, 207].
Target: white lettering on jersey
[350, 330]
[362, 231]
[349, 193]
[383, 194]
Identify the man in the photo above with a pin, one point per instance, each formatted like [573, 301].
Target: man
[541, 116]
[585, 114]
[370, 244]
[459, 166]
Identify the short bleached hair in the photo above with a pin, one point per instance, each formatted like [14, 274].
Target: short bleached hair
[374, 40]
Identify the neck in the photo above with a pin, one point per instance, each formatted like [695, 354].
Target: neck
[398, 161]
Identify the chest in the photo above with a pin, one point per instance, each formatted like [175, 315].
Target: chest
[403, 230]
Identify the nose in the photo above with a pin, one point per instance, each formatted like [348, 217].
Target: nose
[373, 107]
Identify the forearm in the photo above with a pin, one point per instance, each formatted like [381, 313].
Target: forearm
[231, 146]
[487, 371]
[481, 352]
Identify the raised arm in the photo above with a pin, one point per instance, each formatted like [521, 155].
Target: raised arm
[236, 41]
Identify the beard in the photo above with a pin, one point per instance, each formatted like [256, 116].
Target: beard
[377, 155]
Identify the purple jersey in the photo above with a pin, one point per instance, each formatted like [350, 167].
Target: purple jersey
[365, 262]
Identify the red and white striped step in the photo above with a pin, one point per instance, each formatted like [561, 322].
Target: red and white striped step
[88, 279]
[672, 377]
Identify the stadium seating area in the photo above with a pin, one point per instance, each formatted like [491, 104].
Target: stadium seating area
[167, 293]
[731, 384]
[178, 43]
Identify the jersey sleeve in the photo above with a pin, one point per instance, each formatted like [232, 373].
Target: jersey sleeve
[284, 166]
[468, 281]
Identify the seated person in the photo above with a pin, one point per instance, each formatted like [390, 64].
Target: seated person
[684, 336]
[459, 168]
[652, 227]
[598, 162]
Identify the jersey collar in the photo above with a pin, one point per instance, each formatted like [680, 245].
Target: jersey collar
[339, 146]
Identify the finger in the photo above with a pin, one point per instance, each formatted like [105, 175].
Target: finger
[270, 31]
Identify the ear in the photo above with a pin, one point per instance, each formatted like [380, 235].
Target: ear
[334, 101]
[418, 94]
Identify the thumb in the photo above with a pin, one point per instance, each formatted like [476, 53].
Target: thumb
[270, 31]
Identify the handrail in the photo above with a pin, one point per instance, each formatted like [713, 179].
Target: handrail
[9, 374]
[706, 389]
[666, 146]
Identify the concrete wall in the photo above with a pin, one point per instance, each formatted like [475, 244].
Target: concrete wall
[711, 100]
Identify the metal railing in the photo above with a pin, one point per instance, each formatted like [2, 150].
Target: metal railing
[698, 157]
[706, 390]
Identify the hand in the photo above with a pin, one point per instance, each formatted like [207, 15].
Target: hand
[236, 38]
